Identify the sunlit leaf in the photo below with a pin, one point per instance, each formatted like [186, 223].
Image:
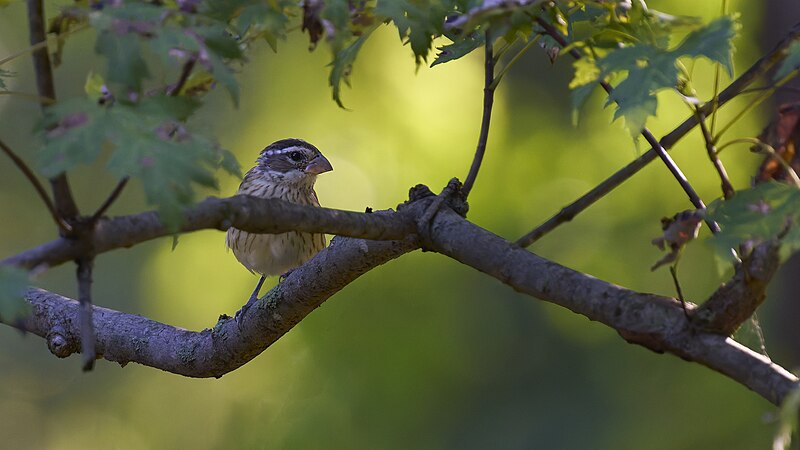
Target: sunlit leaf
[13, 284]
[459, 48]
[714, 41]
[342, 65]
[790, 63]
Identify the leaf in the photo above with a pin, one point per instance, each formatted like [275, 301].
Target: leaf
[583, 82]
[148, 140]
[95, 86]
[13, 285]
[757, 214]
[791, 61]
[342, 65]
[125, 63]
[74, 133]
[459, 48]
[714, 41]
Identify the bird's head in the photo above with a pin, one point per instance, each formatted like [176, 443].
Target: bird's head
[293, 161]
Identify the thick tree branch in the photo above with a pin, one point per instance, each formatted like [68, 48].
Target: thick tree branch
[62, 194]
[649, 320]
[759, 68]
[244, 212]
[127, 338]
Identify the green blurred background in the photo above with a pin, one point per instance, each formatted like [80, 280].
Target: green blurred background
[422, 352]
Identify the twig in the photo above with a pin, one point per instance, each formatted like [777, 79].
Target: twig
[488, 100]
[62, 194]
[31, 97]
[109, 201]
[42, 44]
[569, 212]
[85, 312]
[727, 187]
[65, 227]
[187, 70]
[673, 269]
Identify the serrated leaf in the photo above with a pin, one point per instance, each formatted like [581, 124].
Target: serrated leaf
[714, 41]
[13, 285]
[790, 62]
[74, 133]
[125, 63]
[757, 214]
[343, 64]
[459, 48]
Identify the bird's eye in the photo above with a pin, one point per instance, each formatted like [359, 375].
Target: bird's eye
[296, 156]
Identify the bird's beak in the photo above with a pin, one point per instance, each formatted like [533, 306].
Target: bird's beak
[319, 165]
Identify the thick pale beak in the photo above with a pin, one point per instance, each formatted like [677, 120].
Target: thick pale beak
[319, 165]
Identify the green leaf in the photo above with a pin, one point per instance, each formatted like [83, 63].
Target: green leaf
[757, 214]
[459, 48]
[583, 83]
[74, 132]
[13, 284]
[125, 63]
[342, 65]
[787, 424]
[790, 63]
[148, 140]
[714, 41]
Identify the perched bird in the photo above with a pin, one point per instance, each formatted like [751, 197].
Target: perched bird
[286, 169]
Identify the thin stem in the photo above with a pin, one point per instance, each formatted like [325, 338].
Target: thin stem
[109, 201]
[84, 273]
[755, 102]
[42, 44]
[33, 97]
[514, 60]
[717, 68]
[62, 194]
[673, 269]
[65, 227]
[488, 100]
[727, 187]
[768, 150]
[187, 70]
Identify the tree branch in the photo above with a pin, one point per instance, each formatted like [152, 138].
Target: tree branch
[649, 320]
[109, 201]
[85, 312]
[727, 187]
[759, 68]
[251, 214]
[62, 194]
[488, 101]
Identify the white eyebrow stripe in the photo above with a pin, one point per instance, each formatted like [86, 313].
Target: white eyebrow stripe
[281, 151]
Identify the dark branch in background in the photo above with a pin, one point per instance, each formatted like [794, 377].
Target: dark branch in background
[648, 136]
[62, 195]
[109, 201]
[251, 214]
[85, 312]
[759, 68]
[488, 100]
[727, 187]
[649, 320]
[185, 72]
[65, 227]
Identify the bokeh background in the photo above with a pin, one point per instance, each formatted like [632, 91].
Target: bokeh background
[422, 352]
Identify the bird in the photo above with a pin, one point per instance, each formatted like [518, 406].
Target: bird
[286, 169]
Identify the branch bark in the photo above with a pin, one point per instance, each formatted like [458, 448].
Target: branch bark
[652, 321]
